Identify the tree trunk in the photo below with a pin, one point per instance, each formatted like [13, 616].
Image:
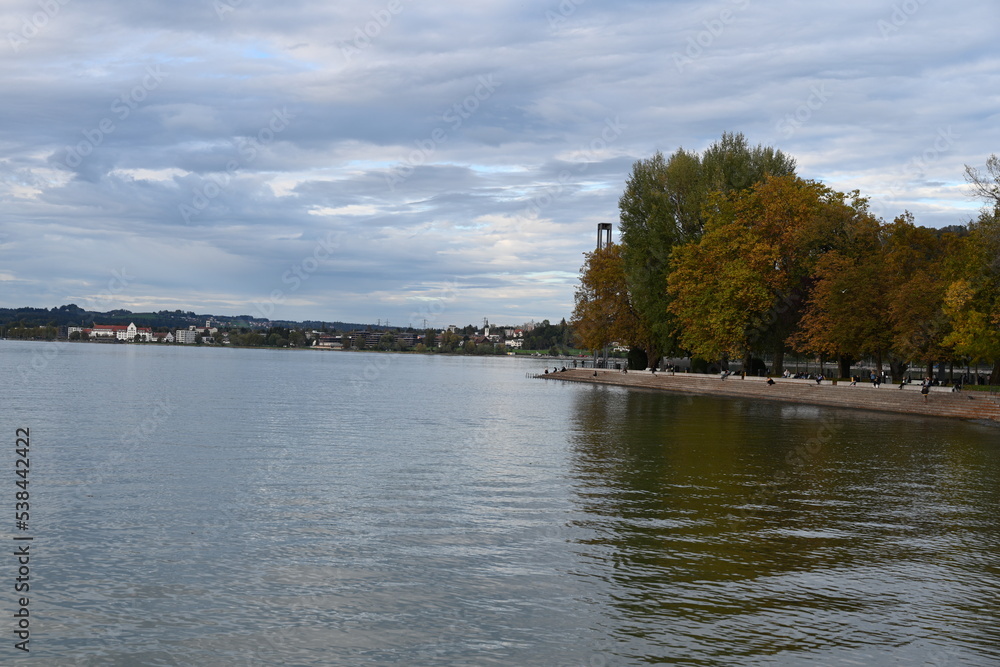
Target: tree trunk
[930, 368]
[844, 362]
[878, 362]
[995, 375]
[779, 361]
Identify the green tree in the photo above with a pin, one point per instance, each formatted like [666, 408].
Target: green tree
[972, 301]
[665, 205]
[430, 338]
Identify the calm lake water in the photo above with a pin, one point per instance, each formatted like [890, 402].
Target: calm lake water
[253, 507]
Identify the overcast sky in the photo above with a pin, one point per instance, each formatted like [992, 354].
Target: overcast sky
[401, 160]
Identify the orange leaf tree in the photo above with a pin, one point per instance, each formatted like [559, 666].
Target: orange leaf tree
[603, 312]
[741, 288]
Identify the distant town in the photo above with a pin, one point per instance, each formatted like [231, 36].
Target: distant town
[187, 328]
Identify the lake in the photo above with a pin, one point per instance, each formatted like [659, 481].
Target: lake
[196, 506]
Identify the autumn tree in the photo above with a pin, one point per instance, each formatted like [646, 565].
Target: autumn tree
[972, 301]
[603, 313]
[664, 206]
[845, 313]
[741, 288]
[918, 261]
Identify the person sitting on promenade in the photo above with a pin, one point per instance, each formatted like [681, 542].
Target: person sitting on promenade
[854, 380]
[546, 371]
[819, 379]
[769, 380]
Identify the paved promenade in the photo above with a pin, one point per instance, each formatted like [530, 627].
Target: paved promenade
[940, 402]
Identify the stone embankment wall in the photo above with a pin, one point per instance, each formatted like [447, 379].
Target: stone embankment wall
[941, 402]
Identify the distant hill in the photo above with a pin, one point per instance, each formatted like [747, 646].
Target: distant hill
[73, 315]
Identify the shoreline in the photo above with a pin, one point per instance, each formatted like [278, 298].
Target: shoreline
[940, 402]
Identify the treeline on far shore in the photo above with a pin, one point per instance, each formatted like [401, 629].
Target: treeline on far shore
[543, 337]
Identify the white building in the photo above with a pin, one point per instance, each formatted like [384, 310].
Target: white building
[122, 332]
[186, 336]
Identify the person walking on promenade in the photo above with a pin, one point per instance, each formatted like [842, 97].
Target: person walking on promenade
[925, 388]
[873, 377]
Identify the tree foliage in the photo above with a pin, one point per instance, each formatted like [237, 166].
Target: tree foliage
[729, 254]
[603, 312]
[741, 288]
[666, 204]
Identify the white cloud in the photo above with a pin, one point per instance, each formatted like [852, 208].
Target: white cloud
[429, 176]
